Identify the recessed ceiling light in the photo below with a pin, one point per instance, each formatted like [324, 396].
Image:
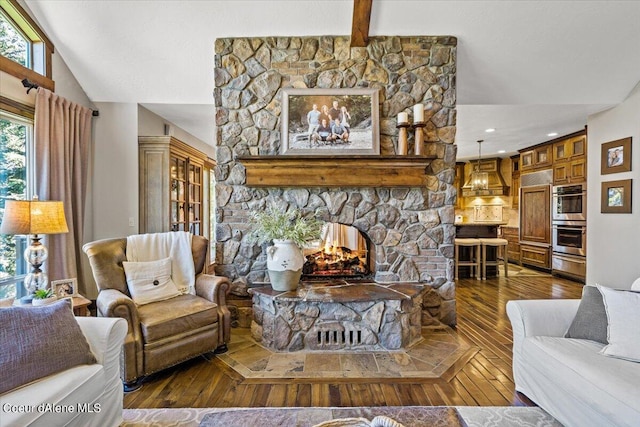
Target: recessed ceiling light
[502, 151]
[552, 134]
[490, 130]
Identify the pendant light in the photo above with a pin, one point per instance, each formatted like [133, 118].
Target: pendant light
[479, 180]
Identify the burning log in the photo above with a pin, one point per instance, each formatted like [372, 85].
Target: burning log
[334, 261]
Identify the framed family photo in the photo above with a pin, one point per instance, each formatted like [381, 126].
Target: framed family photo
[65, 288]
[616, 156]
[330, 122]
[616, 197]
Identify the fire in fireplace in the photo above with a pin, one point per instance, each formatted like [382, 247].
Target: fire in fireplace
[342, 252]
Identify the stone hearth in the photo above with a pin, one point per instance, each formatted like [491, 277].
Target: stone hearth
[338, 315]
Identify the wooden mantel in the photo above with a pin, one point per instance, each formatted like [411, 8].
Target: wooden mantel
[333, 171]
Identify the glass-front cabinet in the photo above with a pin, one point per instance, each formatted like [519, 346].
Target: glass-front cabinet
[172, 181]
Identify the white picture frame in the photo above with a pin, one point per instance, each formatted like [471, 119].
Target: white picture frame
[65, 288]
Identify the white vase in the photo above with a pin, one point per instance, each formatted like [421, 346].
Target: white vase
[284, 264]
[38, 301]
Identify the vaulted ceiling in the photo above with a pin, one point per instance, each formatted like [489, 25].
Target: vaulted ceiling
[526, 68]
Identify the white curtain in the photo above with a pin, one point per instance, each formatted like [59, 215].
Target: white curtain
[62, 140]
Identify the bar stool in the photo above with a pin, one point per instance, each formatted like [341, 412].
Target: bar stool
[501, 252]
[474, 255]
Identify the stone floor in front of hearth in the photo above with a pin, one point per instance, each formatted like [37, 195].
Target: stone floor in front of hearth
[431, 357]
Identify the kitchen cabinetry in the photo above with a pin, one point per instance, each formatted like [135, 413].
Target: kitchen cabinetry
[458, 182]
[536, 158]
[569, 160]
[535, 255]
[535, 226]
[512, 236]
[515, 182]
[172, 181]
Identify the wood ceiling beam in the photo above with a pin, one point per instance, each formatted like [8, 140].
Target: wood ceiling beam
[360, 24]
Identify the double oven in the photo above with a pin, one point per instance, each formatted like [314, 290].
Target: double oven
[569, 229]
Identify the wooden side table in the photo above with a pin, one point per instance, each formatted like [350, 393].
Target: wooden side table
[81, 306]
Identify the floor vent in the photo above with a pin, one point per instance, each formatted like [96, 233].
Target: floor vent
[335, 337]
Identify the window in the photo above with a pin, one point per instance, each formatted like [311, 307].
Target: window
[15, 156]
[25, 52]
[13, 43]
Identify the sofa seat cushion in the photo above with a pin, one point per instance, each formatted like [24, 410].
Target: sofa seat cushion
[175, 316]
[72, 389]
[610, 386]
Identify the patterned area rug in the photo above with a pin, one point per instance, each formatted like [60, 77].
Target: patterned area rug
[242, 417]
[438, 351]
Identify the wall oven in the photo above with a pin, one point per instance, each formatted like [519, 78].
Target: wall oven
[569, 203]
[570, 237]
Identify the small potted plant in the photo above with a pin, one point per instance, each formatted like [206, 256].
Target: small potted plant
[288, 231]
[43, 296]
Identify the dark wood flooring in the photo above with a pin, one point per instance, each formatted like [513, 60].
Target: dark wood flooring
[484, 380]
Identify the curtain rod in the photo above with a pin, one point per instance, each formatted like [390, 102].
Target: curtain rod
[30, 85]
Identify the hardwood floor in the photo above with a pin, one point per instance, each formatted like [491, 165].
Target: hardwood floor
[484, 380]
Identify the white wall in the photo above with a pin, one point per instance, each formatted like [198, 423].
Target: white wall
[151, 124]
[66, 84]
[115, 170]
[613, 240]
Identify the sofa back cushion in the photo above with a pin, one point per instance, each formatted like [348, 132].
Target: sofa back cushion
[39, 341]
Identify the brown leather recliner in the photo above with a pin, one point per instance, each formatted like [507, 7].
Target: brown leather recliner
[164, 333]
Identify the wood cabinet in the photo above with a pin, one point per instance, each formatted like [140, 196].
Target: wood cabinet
[172, 182]
[458, 182]
[536, 158]
[535, 255]
[569, 148]
[570, 160]
[512, 235]
[535, 226]
[535, 214]
[515, 182]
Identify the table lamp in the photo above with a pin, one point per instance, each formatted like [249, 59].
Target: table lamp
[34, 217]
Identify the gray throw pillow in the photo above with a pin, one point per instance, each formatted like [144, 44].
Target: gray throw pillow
[591, 321]
[39, 341]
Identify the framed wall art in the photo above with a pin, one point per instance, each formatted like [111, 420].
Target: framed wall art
[616, 197]
[65, 288]
[616, 156]
[325, 122]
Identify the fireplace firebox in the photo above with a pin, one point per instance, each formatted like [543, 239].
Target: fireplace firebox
[342, 252]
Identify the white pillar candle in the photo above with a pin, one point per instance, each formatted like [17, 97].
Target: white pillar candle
[403, 117]
[418, 113]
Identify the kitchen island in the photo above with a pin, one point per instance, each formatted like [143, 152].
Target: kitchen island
[478, 230]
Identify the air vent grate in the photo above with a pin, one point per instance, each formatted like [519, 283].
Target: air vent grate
[334, 337]
[544, 177]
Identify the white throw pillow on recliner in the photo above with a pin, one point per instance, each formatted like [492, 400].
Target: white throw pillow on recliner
[150, 281]
[623, 333]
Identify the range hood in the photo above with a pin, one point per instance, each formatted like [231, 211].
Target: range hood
[497, 185]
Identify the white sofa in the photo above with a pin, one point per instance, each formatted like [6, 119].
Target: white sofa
[89, 395]
[567, 377]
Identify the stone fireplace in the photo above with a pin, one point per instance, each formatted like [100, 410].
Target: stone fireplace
[410, 228]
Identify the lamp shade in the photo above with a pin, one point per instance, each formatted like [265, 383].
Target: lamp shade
[33, 217]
